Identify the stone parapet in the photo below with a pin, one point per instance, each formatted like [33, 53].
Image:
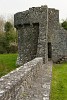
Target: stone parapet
[18, 84]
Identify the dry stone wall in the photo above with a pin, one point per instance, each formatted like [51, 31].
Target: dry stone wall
[18, 84]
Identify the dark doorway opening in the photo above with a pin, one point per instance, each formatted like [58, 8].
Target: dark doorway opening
[49, 50]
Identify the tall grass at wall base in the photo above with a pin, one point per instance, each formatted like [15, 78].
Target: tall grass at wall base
[7, 63]
[59, 82]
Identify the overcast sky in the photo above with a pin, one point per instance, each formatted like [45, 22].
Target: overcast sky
[13, 6]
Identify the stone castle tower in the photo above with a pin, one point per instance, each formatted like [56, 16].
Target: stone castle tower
[40, 35]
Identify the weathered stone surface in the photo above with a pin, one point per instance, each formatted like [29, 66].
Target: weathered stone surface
[32, 34]
[59, 44]
[38, 27]
[28, 82]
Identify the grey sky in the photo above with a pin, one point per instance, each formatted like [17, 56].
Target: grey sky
[13, 6]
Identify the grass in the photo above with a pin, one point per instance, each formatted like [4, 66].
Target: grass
[59, 82]
[7, 63]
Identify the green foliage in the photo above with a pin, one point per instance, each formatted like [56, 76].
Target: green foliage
[59, 82]
[2, 43]
[7, 63]
[64, 24]
[8, 26]
[8, 39]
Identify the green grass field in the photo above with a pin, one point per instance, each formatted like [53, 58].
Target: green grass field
[7, 63]
[59, 82]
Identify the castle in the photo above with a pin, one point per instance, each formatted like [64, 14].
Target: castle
[40, 35]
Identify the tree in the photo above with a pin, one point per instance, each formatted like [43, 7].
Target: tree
[8, 26]
[64, 24]
[2, 22]
[2, 44]
[10, 36]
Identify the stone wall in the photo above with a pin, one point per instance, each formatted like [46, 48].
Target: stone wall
[19, 84]
[32, 33]
[53, 22]
[59, 44]
[37, 28]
